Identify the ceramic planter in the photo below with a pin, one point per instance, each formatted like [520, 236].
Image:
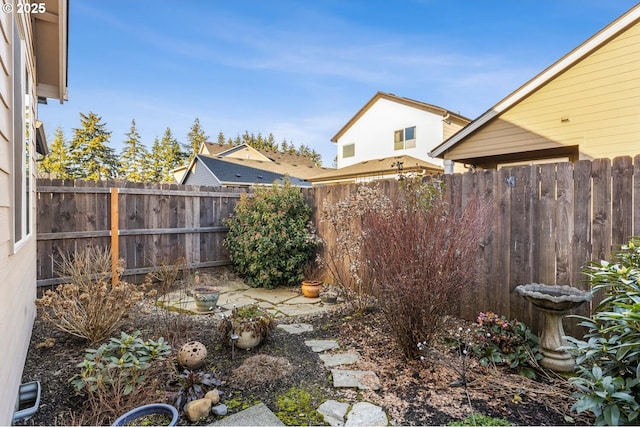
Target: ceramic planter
[311, 288]
[136, 414]
[206, 298]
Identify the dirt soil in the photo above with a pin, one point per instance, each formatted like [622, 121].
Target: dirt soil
[412, 392]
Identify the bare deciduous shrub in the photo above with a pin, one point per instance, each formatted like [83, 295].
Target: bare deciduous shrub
[343, 257]
[260, 369]
[88, 307]
[420, 254]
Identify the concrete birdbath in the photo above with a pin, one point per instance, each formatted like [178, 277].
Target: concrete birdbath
[554, 302]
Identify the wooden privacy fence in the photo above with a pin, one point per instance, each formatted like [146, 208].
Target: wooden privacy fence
[147, 225]
[548, 222]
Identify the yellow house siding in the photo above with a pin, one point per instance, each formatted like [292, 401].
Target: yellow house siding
[594, 104]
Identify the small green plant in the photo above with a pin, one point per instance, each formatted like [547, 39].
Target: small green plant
[504, 342]
[119, 375]
[119, 360]
[194, 384]
[297, 407]
[608, 359]
[269, 238]
[480, 420]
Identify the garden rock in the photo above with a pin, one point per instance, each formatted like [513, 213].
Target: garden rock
[319, 346]
[213, 396]
[197, 409]
[192, 355]
[219, 410]
[362, 380]
[333, 412]
[333, 360]
[297, 328]
[366, 414]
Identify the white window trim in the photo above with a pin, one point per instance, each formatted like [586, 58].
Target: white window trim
[404, 138]
[27, 199]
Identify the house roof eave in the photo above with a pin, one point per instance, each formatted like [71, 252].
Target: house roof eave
[561, 65]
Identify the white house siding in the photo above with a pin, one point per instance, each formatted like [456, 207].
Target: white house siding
[373, 133]
[17, 262]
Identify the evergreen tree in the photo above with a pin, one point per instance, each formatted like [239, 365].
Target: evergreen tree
[57, 161]
[90, 156]
[134, 157]
[196, 137]
[171, 157]
[153, 172]
[221, 139]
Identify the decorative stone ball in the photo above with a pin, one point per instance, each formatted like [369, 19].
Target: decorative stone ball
[192, 355]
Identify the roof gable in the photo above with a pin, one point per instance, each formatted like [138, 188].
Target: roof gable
[627, 20]
[400, 100]
[232, 173]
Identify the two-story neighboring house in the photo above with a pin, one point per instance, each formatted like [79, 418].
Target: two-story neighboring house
[33, 59]
[390, 126]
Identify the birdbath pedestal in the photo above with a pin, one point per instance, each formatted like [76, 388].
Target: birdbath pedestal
[554, 302]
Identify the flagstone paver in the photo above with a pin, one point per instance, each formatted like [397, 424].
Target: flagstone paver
[333, 412]
[362, 380]
[274, 296]
[297, 328]
[366, 414]
[338, 359]
[318, 346]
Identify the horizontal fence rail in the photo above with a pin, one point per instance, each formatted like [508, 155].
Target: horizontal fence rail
[144, 224]
[548, 222]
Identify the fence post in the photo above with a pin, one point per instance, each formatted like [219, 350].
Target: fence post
[114, 235]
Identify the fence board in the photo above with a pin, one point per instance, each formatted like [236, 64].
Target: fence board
[548, 222]
[622, 202]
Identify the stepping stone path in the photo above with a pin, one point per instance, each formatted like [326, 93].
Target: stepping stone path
[335, 413]
[340, 413]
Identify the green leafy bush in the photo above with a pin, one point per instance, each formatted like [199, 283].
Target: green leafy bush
[607, 359]
[504, 342]
[269, 238]
[118, 375]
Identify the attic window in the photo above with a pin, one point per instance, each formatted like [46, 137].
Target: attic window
[348, 150]
[238, 175]
[404, 138]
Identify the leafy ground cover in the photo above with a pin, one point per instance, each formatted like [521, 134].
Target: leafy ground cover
[413, 392]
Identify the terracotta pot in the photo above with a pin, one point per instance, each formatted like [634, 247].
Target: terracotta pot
[311, 288]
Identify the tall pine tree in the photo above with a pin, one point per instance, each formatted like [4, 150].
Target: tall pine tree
[170, 155]
[153, 172]
[134, 157]
[195, 138]
[57, 161]
[89, 154]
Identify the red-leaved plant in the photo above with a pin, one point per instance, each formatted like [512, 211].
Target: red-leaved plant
[420, 253]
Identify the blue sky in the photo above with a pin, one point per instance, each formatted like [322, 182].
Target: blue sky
[301, 69]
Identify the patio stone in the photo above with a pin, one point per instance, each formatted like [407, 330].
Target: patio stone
[333, 412]
[274, 296]
[337, 359]
[297, 328]
[366, 414]
[319, 346]
[362, 380]
[297, 299]
[300, 309]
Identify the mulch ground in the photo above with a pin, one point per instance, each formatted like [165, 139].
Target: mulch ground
[412, 392]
